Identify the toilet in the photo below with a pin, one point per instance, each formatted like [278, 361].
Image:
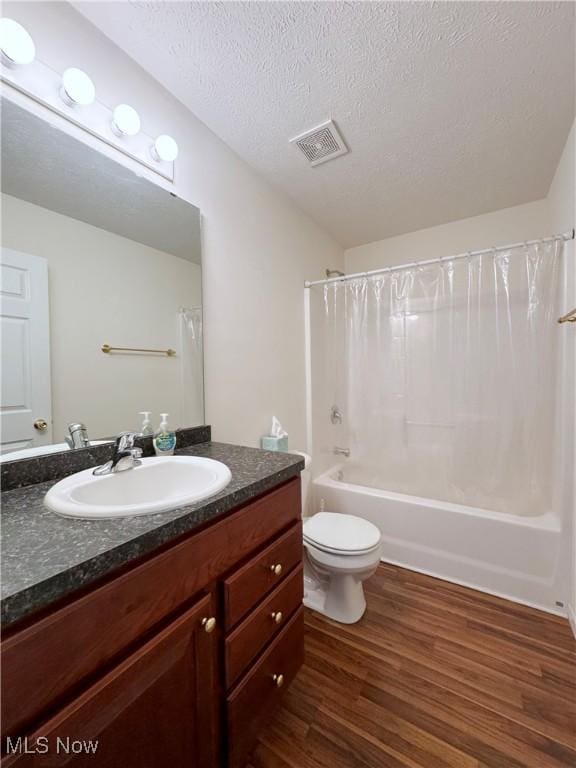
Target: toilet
[341, 551]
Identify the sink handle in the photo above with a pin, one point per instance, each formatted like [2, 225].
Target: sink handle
[123, 449]
[125, 441]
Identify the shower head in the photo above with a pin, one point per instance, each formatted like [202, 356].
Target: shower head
[334, 273]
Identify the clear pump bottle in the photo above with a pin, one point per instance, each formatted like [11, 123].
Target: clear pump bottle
[164, 438]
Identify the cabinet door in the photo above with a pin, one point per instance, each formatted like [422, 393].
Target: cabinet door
[157, 708]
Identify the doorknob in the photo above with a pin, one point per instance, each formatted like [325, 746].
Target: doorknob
[41, 425]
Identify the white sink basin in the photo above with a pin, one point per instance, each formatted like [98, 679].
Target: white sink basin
[158, 485]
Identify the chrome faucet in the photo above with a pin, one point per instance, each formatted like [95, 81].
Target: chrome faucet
[341, 451]
[125, 456]
[78, 436]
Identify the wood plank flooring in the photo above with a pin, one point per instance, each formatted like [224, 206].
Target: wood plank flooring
[434, 676]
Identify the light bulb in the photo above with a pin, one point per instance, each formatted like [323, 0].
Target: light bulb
[125, 120]
[16, 44]
[165, 148]
[77, 88]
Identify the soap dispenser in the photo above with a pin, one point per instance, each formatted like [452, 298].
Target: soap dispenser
[146, 430]
[164, 438]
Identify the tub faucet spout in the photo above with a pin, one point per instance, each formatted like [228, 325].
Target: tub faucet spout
[341, 451]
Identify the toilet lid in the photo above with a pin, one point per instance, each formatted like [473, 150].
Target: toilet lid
[341, 533]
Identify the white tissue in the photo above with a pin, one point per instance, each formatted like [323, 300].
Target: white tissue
[276, 430]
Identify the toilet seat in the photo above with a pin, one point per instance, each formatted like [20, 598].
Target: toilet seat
[343, 535]
[340, 552]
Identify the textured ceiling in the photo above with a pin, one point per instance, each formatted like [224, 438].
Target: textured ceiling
[47, 167]
[450, 109]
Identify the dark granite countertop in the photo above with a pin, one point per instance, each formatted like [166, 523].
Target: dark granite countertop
[45, 556]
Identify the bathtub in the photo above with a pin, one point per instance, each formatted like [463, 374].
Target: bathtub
[514, 557]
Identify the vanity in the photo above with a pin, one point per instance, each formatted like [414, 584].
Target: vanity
[170, 639]
[167, 637]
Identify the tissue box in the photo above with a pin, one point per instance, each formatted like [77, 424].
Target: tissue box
[269, 443]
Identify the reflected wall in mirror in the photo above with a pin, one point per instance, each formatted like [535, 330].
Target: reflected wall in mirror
[92, 255]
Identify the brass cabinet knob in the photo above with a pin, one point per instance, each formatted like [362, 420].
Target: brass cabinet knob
[277, 617]
[276, 569]
[209, 624]
[41, 425]
[279, 680]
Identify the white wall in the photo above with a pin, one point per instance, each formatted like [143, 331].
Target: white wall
[562, 193]
[106, 289]
[510, 225]
[258, 248]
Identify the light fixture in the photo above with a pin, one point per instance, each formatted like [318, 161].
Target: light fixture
[77, 88]
[125, 120]
[16, 44]
[165, 148]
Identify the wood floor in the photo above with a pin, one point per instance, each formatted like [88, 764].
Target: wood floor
[434, 676]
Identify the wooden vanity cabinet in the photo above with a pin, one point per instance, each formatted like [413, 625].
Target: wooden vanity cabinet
[155, 708]
[174, 661]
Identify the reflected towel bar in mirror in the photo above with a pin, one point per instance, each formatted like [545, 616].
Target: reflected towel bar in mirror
[168, 352]
[569, 317]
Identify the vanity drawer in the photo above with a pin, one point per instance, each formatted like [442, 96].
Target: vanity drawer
[260, 626]
[44, 661]
[258, 693]
[248, 585]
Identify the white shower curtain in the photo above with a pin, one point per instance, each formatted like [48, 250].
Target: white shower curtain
[446, 375]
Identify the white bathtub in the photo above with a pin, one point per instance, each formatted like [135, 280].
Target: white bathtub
[510, 556]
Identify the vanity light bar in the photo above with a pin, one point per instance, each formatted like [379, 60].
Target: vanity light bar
[73, 96]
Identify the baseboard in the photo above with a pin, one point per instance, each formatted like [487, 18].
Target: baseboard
[545, 608]
[572, 619]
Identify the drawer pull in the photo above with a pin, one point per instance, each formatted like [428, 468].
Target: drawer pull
[279, 680]
[277, 617]
[209, 624]
[276, 569]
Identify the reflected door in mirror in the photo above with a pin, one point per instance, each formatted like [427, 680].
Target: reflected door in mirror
[25, 407]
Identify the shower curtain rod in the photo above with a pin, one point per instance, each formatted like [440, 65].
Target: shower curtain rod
[309, 283]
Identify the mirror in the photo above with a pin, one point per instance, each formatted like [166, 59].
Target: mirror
[100, 293]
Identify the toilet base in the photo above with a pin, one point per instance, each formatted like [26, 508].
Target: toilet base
[344, 601]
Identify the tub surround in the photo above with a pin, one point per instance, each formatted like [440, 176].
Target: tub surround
[46, 557]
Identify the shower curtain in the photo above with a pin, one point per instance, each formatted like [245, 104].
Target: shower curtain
[446, 375]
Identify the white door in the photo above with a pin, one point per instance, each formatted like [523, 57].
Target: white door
[25, 399]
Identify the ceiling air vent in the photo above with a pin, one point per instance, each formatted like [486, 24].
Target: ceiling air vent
[321, 144]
